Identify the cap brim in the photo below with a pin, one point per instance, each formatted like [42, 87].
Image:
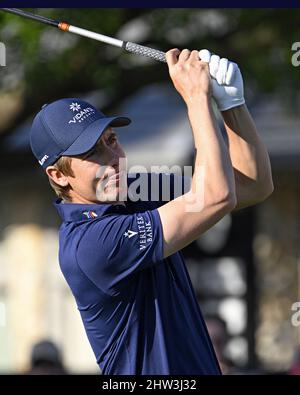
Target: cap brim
[92, 133]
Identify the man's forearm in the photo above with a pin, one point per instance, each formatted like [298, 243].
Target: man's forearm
[249, 156]
[211, 152]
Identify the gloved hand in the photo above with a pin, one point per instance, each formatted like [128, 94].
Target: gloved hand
[227, 81]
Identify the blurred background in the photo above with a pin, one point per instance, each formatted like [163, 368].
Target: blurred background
[245, 270]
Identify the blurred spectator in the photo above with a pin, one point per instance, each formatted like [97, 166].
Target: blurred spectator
[217, 330]
[46, 359]
[295, 367]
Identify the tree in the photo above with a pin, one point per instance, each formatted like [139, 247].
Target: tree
[44, 64]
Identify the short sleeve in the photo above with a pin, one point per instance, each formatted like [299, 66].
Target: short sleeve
[115, 247]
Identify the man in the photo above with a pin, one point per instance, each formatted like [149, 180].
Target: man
[46, 359]
[217, 330]
[122, 258]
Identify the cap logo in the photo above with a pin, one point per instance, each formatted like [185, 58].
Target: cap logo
[75, 107]
[43, 160]
[81, 114]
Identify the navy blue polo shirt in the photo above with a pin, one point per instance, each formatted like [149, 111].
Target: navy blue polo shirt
[139, 310]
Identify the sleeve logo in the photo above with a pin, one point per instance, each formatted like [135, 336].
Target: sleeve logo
[130, 233]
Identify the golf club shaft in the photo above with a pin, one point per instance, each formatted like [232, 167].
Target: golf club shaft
[66, 27]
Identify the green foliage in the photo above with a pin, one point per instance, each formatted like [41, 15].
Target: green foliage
[54, 66]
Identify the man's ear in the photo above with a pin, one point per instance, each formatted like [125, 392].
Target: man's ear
[57, 176]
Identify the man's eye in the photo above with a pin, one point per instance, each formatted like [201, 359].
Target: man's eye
[112, 139]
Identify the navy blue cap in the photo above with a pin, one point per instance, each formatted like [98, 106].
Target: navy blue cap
[68, 127]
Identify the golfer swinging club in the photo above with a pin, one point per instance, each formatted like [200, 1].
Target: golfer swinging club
[121, 258]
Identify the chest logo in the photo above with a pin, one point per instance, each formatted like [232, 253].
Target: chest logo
[90, 214]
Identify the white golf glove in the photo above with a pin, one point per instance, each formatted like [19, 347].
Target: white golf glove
[227, 81]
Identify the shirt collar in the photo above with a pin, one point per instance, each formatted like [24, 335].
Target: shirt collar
[73, 212]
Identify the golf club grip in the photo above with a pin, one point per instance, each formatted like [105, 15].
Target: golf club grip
[145, 51]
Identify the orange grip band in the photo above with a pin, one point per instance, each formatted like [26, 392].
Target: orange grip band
[63, 26]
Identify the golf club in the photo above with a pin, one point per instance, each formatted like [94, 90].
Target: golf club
[66, 27]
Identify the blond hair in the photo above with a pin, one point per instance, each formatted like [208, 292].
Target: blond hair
[64, 165]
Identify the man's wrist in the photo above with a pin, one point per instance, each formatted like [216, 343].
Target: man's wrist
[198, 102]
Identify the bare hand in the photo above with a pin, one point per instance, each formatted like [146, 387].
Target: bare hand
[190, 75]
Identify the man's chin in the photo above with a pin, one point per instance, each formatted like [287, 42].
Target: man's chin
[112, 194]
